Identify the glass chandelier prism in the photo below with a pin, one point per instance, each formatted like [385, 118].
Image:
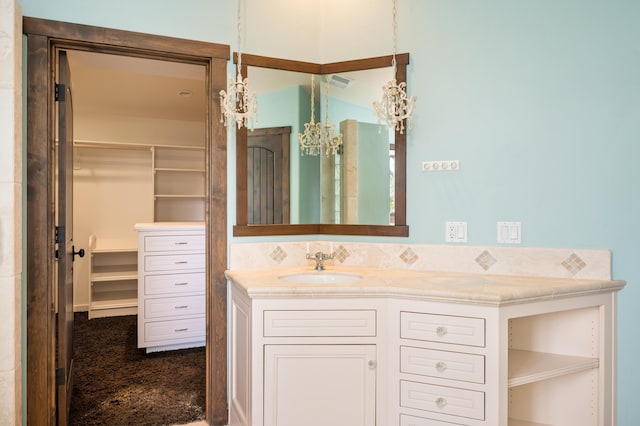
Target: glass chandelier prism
[395, 107]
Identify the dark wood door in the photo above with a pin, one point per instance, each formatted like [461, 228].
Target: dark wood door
[268, 175]
[65, 250]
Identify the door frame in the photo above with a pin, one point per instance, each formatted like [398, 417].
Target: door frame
[44, 38]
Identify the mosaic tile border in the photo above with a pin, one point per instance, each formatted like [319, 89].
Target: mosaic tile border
[498, 260]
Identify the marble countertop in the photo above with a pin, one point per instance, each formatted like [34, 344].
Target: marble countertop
[427, 285]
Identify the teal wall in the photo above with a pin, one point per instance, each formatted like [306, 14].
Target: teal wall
[538, 99]
[373, 175]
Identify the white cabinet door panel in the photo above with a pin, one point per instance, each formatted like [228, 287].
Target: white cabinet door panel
[320, 385]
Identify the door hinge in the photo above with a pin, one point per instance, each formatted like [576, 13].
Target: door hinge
[59, 239]
[59, 92]
[58, 235]
[60, 379]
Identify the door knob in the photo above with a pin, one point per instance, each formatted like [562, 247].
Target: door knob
[80, 253]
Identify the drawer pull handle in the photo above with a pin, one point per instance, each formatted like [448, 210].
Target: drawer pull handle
[183, 283]
[181, 262]
[181, 307]
[372, 364]
[441, 331]
[441, 402]
[441, 366]
[178, 330]
[181, 243]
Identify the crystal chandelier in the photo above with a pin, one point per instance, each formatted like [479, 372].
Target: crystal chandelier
[331, 141]
[318, 138]
[395, 107]
[311, 140]
[238, 103]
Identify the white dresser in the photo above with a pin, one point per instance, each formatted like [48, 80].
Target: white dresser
[171, 285]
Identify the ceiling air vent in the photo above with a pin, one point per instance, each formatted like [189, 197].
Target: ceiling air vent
[338, 81]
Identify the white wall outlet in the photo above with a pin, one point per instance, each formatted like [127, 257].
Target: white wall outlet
[441, 166]
[456, 232]
[509, 232]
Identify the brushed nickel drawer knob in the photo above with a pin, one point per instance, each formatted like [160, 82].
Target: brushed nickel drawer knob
[441, 331]
[441, 366]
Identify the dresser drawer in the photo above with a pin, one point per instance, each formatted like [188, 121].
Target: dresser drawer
[442, 364]
[174, 242]
[442, 399]
[174, 283]
[329, 323]
[174, 262]
[442, 328]
[173, 306]
[159, 331]
[419, 421]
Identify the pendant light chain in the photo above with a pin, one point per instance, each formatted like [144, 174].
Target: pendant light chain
[237, 103]
[395, 108]
[239, 29]
[395, 36]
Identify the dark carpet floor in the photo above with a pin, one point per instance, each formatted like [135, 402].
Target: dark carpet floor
[117, 384]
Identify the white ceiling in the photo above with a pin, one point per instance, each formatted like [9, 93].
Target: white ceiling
[120, 85]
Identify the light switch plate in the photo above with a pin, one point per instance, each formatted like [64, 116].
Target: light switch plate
[509, 232]
[441, 166]
[456, 232]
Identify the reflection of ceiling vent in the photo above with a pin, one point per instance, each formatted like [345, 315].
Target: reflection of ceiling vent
[338, 81]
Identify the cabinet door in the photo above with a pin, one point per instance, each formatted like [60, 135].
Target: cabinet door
[319, 385]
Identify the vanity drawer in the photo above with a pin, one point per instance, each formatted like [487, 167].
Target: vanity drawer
[174, 243]
[442, 399]
[174, 283]
[442, 364]
[321, 323]
[173, 306]
[158, 331]
[419, 421]
[442, 328]
[174, 262]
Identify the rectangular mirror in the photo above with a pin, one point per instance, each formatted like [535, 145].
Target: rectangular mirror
[358, 190]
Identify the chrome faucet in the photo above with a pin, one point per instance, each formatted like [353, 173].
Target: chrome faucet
[319, 257]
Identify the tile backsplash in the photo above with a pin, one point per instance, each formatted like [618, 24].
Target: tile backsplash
[495, 260]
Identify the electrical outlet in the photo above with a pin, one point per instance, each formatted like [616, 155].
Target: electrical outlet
[441, 166]
[456, 232]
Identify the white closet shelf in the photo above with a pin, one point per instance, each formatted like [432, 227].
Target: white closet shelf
[516, 422]
[115, 245]
[528, 367]
[106, 276]
[179, 196]
[129, 145]
[183, 170]
[110, 304]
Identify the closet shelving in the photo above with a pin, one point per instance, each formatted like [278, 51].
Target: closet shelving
[178, 173]
[171, 188]
[179, 183]
[113, 277]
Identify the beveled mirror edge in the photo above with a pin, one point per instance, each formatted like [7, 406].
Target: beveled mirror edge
[399, 229]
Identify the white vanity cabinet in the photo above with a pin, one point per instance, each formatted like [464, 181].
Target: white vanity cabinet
[541, 363]
[171, 285]
[535, 352]
[306, 362]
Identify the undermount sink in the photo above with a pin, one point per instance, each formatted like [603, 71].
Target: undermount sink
[320, 277]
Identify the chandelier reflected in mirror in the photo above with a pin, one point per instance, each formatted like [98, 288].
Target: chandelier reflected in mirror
[237, 103]
[395, 107]
[319, 138]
